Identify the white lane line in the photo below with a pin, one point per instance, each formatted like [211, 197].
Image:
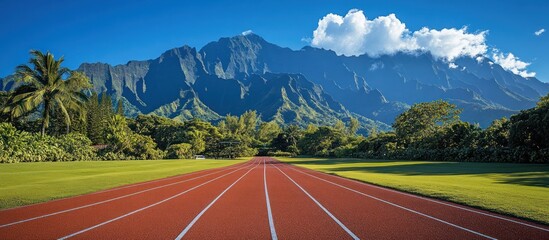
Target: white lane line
[166, 179]
[105, 201]
[320, 205]
[186, 230]
[269, 212]
[399, 206]
[146, 207]
[123, 187]
[435, 201]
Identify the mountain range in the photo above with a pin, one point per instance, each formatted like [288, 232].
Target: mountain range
[310, 85]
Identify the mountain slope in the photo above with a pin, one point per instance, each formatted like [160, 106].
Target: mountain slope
[187, 107]
[178, 85]
[310, 85]
[384, 86]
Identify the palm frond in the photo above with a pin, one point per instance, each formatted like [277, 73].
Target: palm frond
[80, 97]
[23, 96]
[46, 86]
[63, 110]
[23, 105]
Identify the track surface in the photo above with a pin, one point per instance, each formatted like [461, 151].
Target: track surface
[259, 199]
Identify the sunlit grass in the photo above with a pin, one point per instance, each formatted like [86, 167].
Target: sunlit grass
[520, 190]
[27, 183]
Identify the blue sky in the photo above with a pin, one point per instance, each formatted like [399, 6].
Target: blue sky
[118, 31]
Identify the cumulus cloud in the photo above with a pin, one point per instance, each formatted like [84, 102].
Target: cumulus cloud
[247, 32]
[451, 43]
[512, 63]
[354, 34]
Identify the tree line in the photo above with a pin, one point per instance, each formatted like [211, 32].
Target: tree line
[53, 115]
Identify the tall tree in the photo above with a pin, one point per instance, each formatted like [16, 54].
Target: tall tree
[249, 120]
[267, 131]
[287, 140]
[106, 106]
[530, 127]
[425, 119]
[497, 134]
[339, 126]
[48, 84]
[353, 127]
[120, 108]
[95, 124]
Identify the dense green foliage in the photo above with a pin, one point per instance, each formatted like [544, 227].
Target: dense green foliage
[424, 134]
[179, 151]
[51, 101]
[19, 146]
[286, 142]
[123, 143]
[430, 131]
[45, 86]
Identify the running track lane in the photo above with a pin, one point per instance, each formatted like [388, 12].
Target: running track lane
[40, 210]
[371, 219]
[296, 215]
[240, 213]
[162, 221]
[467, 219]
[233, 203]
[59, 225]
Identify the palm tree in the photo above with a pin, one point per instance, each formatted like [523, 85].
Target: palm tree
[48, 85]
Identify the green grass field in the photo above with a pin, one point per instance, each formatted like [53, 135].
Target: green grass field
[27, 183]
[520, 190]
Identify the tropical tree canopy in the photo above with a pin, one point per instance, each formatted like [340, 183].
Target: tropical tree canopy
[424, 119]
[48, 87]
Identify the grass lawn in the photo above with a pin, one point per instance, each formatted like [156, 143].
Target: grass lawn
[27, 183]
[520, 190]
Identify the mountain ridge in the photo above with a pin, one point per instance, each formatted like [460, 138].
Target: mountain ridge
[418, 76]
[309, 85]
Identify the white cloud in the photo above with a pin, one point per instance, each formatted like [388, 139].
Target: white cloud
[247, 32]
[512, 63]
[354, 34]
[451, 43]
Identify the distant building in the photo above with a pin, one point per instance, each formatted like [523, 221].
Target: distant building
[199, 157]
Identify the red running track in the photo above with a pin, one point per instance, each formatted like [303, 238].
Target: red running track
[260, 199]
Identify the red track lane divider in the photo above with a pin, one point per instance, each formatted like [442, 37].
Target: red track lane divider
[111, 199]
[395, 205]
[182, 234]
[321, 206]
[269, 211]
[418, 197]
[151, 205]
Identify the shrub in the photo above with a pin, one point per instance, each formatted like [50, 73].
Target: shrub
[20, 146]
[281, 154]
[124, 142]
[78, 147]
[179, 151]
